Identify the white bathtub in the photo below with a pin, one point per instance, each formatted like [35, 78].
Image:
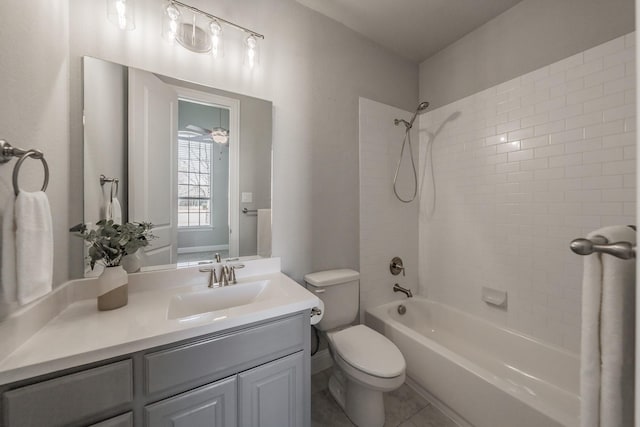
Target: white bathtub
[488, 375]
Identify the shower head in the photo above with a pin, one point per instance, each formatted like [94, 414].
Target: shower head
[421, 108]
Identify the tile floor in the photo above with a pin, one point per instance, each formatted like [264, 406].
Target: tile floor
[404, 408]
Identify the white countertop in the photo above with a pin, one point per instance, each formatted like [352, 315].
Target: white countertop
[81, 334]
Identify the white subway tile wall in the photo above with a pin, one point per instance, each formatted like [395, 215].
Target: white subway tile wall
[388, 227]
[521, 169]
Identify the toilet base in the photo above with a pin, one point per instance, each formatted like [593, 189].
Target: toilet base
[363, 406]
[337, 387]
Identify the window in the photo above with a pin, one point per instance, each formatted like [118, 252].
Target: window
[194, 180]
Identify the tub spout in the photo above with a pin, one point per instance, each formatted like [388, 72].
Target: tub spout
[398, 288]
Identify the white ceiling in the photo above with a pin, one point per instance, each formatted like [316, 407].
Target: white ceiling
[415, 29]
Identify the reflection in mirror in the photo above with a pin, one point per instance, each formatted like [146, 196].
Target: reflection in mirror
[193, 160]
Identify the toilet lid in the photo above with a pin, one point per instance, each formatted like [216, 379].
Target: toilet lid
[368, 351]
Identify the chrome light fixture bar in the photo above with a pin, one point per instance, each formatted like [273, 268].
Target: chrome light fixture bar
[217, 18]
[194, 35]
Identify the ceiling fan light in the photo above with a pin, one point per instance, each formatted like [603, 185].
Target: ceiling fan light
[220, 135]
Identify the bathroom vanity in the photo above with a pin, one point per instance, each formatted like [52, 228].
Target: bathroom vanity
[244, 365]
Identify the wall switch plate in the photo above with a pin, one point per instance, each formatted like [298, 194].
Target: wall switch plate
[247, 197]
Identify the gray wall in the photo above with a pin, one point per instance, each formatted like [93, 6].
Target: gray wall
[34, 112]
[312, 68]
[530, 35]
[106, 135]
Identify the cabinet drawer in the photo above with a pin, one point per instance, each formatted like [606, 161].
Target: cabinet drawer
[70, 399]
[124, 420]
[201, 362]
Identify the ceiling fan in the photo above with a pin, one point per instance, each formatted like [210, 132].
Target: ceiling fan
[219, 135]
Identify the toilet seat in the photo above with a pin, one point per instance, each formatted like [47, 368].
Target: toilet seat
[367, 351]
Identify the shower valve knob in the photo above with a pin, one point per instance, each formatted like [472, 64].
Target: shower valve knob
[396, 266]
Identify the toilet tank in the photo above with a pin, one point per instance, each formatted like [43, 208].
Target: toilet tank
[338, 290]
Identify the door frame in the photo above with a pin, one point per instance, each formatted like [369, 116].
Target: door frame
[233, 198]
[637, 355]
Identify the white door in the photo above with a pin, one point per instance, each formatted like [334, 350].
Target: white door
[153, 121]
[233, 105]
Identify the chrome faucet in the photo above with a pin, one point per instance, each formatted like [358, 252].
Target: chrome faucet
[398, 288]
[213, 279]
[217, 257]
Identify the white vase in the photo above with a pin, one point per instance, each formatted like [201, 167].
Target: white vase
[113, 288]
[132, 262]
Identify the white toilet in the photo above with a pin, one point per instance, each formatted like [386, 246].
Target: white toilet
[368, 363]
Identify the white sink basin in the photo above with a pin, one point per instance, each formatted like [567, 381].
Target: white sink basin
[208, 300]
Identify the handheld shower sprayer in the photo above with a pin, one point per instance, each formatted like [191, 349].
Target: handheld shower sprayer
[408, 125]
[421, 108]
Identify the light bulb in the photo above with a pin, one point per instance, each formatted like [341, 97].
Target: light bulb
[217, 48]
[252, 54]
[121, 9]
[171, 22]
[120, 13]
[172, 12]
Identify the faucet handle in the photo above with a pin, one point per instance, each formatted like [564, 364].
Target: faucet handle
[213, 278]
[224, 276]
[396, 266]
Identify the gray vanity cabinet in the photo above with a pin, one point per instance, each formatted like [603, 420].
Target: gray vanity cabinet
[252, 375]
[213, 405]
[272, 394]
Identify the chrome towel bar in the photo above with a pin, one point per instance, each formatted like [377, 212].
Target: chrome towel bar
[246, 211]
[600, 244]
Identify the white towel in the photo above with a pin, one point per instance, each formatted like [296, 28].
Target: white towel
[264, 233]
[608, 332]
[8, 276]
[116, 211]
[34, 246]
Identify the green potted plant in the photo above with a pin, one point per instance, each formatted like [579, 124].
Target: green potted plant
[109, 244]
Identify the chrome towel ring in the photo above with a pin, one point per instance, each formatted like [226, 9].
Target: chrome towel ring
[36, 154]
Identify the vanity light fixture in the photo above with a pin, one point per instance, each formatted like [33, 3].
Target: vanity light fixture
[121, 14]
[217, 43]
[252, 54]
[204, 37]
[170, 22]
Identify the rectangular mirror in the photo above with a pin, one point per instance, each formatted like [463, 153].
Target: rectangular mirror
[193, 160]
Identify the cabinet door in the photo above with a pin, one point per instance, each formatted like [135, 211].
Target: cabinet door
[272, 394]
[213, 405]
